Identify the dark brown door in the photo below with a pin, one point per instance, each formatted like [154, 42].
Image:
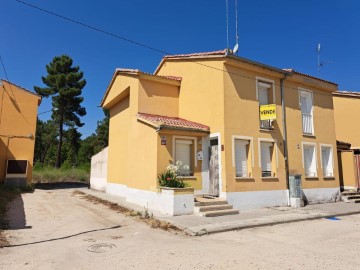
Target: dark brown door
[214, 168]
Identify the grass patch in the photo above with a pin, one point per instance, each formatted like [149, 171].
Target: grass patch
[50, 175]
[141, 216]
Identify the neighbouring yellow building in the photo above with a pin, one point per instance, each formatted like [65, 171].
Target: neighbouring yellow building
[346, 109]
[204, 110]
[18, 114]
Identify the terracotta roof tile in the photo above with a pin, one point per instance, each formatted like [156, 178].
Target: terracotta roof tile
[290, 70]
[161, 121]
[137, 71]
[220, 52]
[346, 93]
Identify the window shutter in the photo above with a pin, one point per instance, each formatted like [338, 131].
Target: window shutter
[183, 152]
[263, 95]
[265, 156]
[241, 158]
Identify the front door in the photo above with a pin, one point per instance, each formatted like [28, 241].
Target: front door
[214, 168]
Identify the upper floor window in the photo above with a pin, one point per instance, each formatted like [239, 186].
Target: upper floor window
[265, 94]
[307, 110]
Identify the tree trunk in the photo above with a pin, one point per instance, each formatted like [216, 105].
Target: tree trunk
[58, 155]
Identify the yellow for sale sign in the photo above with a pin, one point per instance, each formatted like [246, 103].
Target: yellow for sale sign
[268, 112]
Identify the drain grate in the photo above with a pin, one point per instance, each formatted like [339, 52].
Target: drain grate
[101, 247]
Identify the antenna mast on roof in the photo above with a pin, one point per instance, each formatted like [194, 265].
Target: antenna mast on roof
[227, 24]
[236, 47]
[319, 65]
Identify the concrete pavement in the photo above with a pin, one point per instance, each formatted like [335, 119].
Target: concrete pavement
[197, 225]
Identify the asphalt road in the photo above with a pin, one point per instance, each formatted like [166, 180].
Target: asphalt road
[53, 229]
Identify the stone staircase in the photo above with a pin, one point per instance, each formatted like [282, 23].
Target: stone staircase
[350, 196]
[208, 206]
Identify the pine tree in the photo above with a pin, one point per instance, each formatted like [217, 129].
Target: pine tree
[64, 84]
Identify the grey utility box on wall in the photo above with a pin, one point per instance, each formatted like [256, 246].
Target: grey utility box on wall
[295, 187]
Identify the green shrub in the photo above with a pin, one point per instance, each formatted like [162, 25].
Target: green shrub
[170, 179]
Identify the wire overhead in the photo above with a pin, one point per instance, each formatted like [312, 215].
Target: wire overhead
[147, 46]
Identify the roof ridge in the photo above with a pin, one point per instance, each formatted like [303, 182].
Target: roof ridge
[22, 88]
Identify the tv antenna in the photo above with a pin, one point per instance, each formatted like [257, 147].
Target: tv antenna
[320, 63]
[236, 47]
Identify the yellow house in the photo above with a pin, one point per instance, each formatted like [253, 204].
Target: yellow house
[18, 114]
[346, 109]
[204, 110]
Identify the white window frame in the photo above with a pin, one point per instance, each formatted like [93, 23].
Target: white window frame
[261, 79]
[332, 157]
[300, 89]
[303, 158]
[274, 141]
[185, 138]
[251, 148]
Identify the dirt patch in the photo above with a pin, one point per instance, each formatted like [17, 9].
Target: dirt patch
[141, 216]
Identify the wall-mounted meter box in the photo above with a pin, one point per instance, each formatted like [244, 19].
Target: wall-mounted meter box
[200, 155]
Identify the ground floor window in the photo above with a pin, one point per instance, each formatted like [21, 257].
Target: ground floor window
[241, 151]
[266, 158]
[184, 157]
[309, 156]
[327, 161]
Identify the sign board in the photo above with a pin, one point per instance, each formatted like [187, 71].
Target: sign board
[163, 140]
[268, 112]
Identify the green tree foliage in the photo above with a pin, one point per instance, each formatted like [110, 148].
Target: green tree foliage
[64, 83]
[46, 138]
[96, 141]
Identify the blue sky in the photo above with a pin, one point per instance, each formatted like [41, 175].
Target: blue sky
[280, 33]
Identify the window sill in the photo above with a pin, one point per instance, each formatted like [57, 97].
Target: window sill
[244, 179]
[270, 179]
[187, 177]
[267, 130]
[312, 178]
[309, 135]
[329, 178]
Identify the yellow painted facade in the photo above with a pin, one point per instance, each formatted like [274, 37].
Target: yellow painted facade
[347, 109]
[18, 114]
[220, 92]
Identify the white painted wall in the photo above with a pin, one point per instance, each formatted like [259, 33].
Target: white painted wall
[165, 202]
[322, 195]
[257, 199]
[98, 173]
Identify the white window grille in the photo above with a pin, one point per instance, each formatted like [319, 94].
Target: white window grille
[241, 157]
[309, 155]
[327, 161]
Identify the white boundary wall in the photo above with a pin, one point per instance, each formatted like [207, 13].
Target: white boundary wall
[322, 195]
[257, 199]
[166, 201]
[98, 173]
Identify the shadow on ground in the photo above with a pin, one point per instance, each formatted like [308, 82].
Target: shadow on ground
[15, 215]
[60, 185]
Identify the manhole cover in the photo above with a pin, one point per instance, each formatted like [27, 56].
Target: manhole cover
[101, 247]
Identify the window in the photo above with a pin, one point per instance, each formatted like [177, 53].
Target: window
[183, 150]
[264, 90]
[309, 155]
[327, 161]
[241, 149]
[306, 103]
[266, 159]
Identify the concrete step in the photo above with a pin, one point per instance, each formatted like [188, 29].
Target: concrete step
[218, 213]
[208, 203]
[350, 197]
[348, 193]
[353, 201]
[213, 207]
